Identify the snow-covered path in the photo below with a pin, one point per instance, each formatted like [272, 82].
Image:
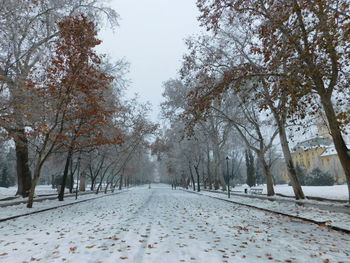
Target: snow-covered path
[162, 225]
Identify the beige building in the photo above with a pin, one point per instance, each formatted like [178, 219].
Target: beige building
[319, 152]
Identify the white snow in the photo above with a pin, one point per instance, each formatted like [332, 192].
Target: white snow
[164, 225]
[339, 192]
[304, 208]
[21, 209]
[40, 190]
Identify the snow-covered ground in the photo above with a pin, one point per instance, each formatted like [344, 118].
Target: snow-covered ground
[164, 225]
[339, 192]
[21, 209]
[307, 209]
[40, 190]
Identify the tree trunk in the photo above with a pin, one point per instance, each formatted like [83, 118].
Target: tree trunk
[198, 182]
[233, 172]
[22, 164]
[216, 183]
[339, 143]
[92, 178]
[101, 181]
[222, 182]
[219, 178]
[32, 191]
[34, 183]
[203, 175]
[82, 184]
[192, 177]
[65, 174]
[121, 181]
[106, 188]
[210, 183]
[268, 176]
[71, 176]
[298, 191]
[99, 186]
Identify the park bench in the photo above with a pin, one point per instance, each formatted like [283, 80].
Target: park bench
[256, 191]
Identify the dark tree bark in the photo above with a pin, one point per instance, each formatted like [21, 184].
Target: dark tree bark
[65, 174]
[210, 183]
[298, 191]
[82, 183]
[339, 143]
[22, 164]
[269, 179]
[198, 182]
[192, 177]
[121, 180]
[71, 175]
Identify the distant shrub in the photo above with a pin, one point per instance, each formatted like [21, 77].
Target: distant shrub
[4, 177]
[319, 178]
[279, 180]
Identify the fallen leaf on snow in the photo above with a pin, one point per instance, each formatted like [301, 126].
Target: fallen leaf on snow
[90, 246]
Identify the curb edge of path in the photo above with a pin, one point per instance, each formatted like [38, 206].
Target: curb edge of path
[56, 207]
[319, 223]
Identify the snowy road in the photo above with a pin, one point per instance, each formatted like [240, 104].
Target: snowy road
[161, 225]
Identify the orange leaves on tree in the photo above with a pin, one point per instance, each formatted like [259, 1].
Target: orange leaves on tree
[75, 87]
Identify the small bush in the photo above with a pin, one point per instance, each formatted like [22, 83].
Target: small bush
[319, 178]
[5, 178]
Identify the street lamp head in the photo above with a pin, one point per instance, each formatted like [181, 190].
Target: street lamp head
[227, 158]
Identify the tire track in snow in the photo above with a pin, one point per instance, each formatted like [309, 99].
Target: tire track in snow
[136, 227]
[142, 249]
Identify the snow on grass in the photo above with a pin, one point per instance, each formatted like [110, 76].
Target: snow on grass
[161, 225]
[331, 192]
[39, 190]
[21, 209]
[306, 209]
[339, 192]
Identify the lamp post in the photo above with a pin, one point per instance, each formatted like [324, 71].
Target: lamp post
[228, 177]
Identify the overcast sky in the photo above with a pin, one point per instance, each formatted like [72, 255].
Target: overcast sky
[151, 37]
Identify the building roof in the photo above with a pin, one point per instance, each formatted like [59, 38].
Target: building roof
[331, 151]
[320, 141]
